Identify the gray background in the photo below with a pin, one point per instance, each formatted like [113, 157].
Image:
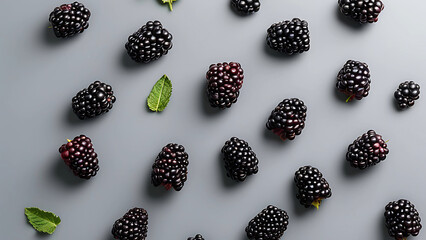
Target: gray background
[40, 74]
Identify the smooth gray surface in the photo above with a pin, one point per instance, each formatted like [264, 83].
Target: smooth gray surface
[40, 74]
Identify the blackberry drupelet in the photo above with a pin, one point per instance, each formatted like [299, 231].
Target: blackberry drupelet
[240, 160]
[269, 224]
[367, 150]
[312, 187]
[132, 226]
[170, 167]
[402, 219]
[197, 237]
[224, 81]
[80, 157]
[149, 43]
[246, 6]
[93, 101]
[69, 19]
[407, 93]
[363, 11]
[288, 119]
[354, 80]
[289, 37]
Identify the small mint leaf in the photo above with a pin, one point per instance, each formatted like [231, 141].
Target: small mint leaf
[42, 221]
[160, 94]
[170, 2]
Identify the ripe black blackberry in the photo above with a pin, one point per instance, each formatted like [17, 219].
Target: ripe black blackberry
[402, 219]
[80, 156]
[407, 93]
[197, 237]
[69, 19]
[93, 101]
[132, 226]
[149, 43]
[224, 81]
[246, 6]
[288, 119]
[240, 160]
[289, 37]
[170, 167]
[367, 150]
[354, 80]
[269, 224]
[312, 187]
[363, 11]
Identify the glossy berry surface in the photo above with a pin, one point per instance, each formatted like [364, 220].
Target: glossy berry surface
[312, 187]
[68, 20]
[287, 120]
[93, 101]
[149, 43]
[402, 219]
[362, 11]
[132, 226]
[246, 6]
[289, 37]
[240, 160]
[197, 237]
[367, 150]
[406, 94]
[354, 80]
[224, 81]
[79, 155]
[269, 224]
[170, 168]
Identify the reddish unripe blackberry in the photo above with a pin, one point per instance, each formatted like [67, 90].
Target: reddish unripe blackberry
[407, 93]
[224, 81]
[79, 155]
[197, 237]
[312, 187]
[149, 43]
[367, 150]
[354, 80]
[362, 11]
[132, 226]
[240, 160]
[93, 101]
[269, 224]
[170, 168]
[69, 19]
[402, 219]
[288, 119]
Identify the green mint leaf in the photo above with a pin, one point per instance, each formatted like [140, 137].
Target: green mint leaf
[170, 2]
[42, 221]
[160, 94]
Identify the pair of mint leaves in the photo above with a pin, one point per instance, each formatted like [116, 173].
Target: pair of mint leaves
[170, 2]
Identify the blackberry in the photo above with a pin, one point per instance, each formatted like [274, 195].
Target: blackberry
[149, 43]
[354, 80]
[288, 119]
[269, 224]
[170, 167]
[367, 150]
[69, 19]
[363, 11]
[402, 219]
[312, 187]
[289, 37]
[197, 237]
[240, 160]
[93, 101]
[224, 81]
[246, 6]
[407, 93]
[132, 226]
[80, 156]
